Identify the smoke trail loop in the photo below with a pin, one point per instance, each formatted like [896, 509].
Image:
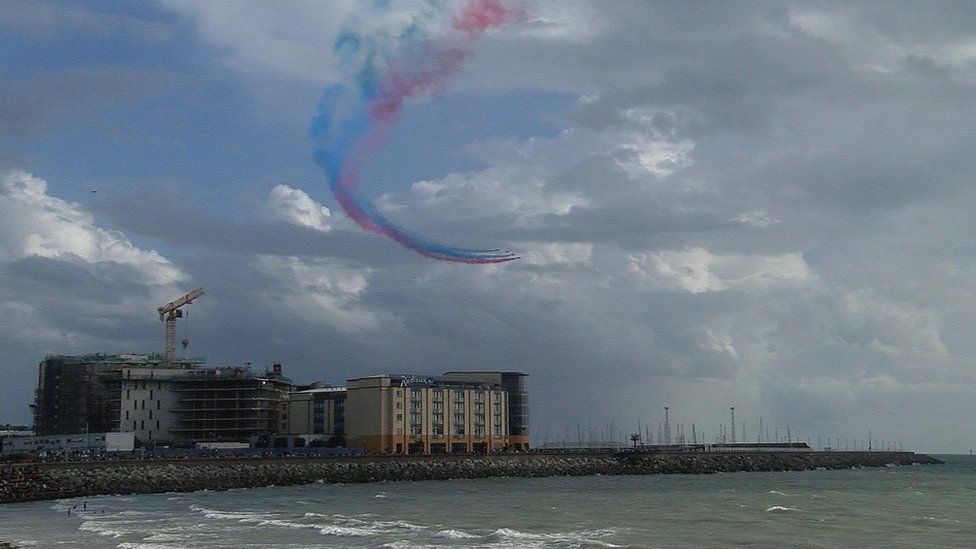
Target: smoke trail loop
[355, 116]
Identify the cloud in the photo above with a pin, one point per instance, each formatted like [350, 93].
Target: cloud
[756, 219]
[47, 21]
[46, 100]
[696, 270]
[556, 253]
[35, 223]
[295, 206]
[316, 291]
[290, 38]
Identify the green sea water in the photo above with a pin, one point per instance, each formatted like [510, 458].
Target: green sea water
[918, 506]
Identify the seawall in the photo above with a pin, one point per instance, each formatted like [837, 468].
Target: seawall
[77, 479]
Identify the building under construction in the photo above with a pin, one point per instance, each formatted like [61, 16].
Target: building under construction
[229, 404]
[82, 394]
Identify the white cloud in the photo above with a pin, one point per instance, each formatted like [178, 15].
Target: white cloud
[34, 223]
[696, 270]
[288, 37]
[654, 145]
[556, 253]
[898, 330]
[720, 342]
[295, 206]
[501, 191]
[756, 219]
[317, 290]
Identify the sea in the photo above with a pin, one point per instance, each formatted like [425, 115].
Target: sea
[907, 506]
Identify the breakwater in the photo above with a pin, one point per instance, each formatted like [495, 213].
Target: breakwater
[77, 479]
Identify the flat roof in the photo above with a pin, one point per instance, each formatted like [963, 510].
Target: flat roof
[503, 372]
[322, 390]
[422, 379]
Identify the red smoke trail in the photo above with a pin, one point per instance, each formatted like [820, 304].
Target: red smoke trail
[427, 76]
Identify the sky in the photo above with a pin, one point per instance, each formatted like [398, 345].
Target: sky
[761, 205]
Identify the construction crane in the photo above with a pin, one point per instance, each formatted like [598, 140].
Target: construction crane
[169, 313]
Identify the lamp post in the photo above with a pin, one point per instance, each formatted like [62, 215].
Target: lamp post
[732, 409]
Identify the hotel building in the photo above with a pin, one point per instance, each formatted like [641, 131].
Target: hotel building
[411, 414]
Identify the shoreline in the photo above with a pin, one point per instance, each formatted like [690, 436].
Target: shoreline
[58, 480]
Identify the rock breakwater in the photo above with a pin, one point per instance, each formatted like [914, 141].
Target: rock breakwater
[61, 480]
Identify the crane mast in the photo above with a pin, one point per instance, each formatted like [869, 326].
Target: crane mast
[169, 313]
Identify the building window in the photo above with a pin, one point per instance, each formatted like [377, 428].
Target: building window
[438, 395]
[479, 430]
[399, 417]
[126, 414]
[459, 395]
[498, 430]
[416, 430]
[459, 429]
[437, 406]
[479, 407]
[157, 424]
[479, 396]
[415, 394]
[458, 407]
[399, 405]
[157, 404]
[415, 418]
[142, 425]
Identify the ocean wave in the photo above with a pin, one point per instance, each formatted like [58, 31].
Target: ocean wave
[399, 525]
[101, 528]
[776, 492]
[358, 528]
[239, 516]
[518, 534]
[163, 536]
[451, 533]
[347, 531]
[407, 544]
[286, 524]
[780, 509]
[517, 538]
